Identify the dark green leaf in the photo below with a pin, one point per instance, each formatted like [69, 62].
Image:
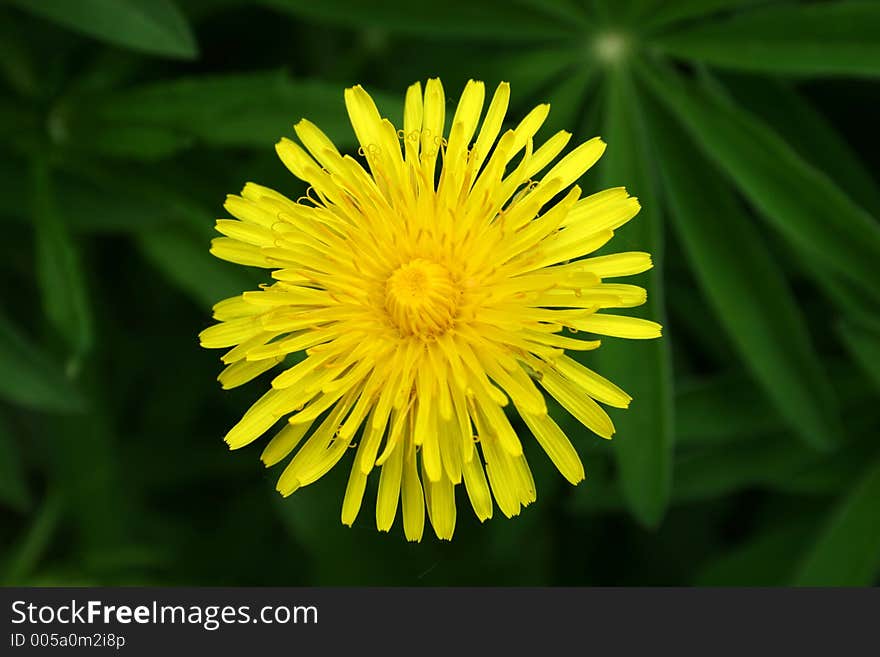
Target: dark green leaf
[14, 491]
[764, 560]
[655, 14]
[833, 38]
[187, 264]
[27, 552]
[567, 102]
[709, 412]
[135, 142]
[62, 282]
[82, 454]
[745, 286]
[152, 26]
[16, 65]
[862, 338]
[800, 201]
[809, 133]
[836, 472]
[694, 324]
[773, 462]
[253, 110]
[453, 18]
[565, 10]
[643, 446]
[847, 551]
[30, 378]
[529, 73]
[131, 199]
[752, 464]
[818, 142]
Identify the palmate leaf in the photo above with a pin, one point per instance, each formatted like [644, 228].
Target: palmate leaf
[744, 286]
[644, 445]
[847, 550]
[59, 272]
[251, 110]
[799, 200]
[151, 26]
[831, 38]
[498, 20]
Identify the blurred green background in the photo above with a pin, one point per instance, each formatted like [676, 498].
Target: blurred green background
[749, 131]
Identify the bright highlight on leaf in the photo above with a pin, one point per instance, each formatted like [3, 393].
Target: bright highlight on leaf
[434, 294]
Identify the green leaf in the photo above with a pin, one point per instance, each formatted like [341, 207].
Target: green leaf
[30, 378]
[800, 201]
[311, 516]
[14, 492]
[847, 551]
[817, 141]
[694, 322]
[661, 13]
[187, 264]
[136, 142]
[835, 472]
[809, 133]
[497, 20]
[16, 63]
[822, 39]
[756, 463]
[130, 199]
[643, 444]
[709, 412]
[27, 553]
[565, 10]
[82, 453]
[59, 273]
[151, 26]
[568, 100]
[764, 560]
[251, 110]
[771, 462]
[529, 72]
[744, 286]
[862, 339]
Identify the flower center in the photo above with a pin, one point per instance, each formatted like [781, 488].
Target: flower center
[421, 298]
[611, 47]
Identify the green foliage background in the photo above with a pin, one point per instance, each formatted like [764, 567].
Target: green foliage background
[748, 130]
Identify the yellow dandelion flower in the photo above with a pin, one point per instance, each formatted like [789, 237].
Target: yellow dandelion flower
[429, 292]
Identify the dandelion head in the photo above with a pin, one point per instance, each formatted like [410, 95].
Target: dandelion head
[433, 287]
